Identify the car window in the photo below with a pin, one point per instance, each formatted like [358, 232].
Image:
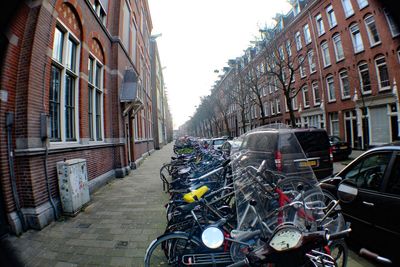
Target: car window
[313, 141]
[393, 186]
[369, 171]
[219, 142]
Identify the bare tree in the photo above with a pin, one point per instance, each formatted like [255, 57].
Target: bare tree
[281, 64]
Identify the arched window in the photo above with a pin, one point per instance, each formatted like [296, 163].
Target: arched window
[330, 85]
[306, 97]
[365, 81]
[326, 58]
[64, 86]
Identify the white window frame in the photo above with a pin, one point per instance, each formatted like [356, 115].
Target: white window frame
[62, 66]
[326, 57]
[278, 105]
[370, 34]
[328, 88]
[314, 88]
[330, 13]
[320, 24]
[307, 34]
[96, 63]
[378, 75]
[336, 120]
[344, 75]
[364, 63]
[297, 38]
[306, 96]
[394, 28]
[353, 32]
[289, 48]
[362, 3]
[301, 68]
[338, 40]
[311, 61]
[347, 8]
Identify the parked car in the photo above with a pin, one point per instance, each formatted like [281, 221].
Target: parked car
[216, 143]
[374, 213]
[340, 149]
[314, 142]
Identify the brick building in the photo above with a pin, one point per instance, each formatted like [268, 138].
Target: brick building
[75, 83]
[346, 82]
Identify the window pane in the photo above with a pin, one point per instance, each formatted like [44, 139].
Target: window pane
[364, 78]
[98, 116]
[54, 104]
[69, 108]
[90, 70]
[331, 16]
[394, 28]
[71, 57]
[338, 47]
[90, 112]
[356, 38]
[372, 30]
[58, 45]
[317, 98]
[362, 3]
[325, 54]
[348, 8]
[98, 75]
[345, 85]
[331, 88]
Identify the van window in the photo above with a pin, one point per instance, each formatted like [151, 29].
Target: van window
[313, 141]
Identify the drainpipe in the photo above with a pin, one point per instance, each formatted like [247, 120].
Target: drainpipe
[9, 124]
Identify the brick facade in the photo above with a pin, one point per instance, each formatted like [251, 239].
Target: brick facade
[26, 78]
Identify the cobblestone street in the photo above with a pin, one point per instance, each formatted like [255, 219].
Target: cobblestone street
[114, 230]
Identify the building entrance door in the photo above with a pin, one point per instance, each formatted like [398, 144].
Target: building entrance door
[350, 118]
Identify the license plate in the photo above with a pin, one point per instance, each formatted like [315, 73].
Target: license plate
[343, 147]
[310, 163]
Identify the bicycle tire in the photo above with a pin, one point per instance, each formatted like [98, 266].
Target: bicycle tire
[168, 249]
[339, 252]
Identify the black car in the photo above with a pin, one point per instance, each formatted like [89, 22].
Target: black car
[314, 142]
[375, 213]
[340, 149]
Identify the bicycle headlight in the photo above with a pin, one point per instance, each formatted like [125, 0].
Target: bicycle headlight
[212, 237]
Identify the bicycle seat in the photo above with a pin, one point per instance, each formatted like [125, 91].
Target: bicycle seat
[195, 194]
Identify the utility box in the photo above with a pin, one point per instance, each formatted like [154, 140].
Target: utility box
[73, 185]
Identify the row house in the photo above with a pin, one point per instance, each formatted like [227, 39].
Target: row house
[341, 58]
[75, 83]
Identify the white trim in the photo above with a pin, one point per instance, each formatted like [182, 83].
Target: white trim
[378, 75]
[369, 33]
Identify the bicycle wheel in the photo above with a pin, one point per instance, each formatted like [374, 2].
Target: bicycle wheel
[339, 252]
[168, 250]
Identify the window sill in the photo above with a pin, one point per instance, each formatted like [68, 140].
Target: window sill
[358, 52]
[332, 101]
[345, 98]
[327, 66]
[333, 26]
[384, 89]
[321, 34]
[376, 44]
[349, 16]
[339, 60]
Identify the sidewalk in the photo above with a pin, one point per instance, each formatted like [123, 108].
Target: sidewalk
[114, 230]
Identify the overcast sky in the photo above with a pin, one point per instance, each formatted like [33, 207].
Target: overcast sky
[200, 36]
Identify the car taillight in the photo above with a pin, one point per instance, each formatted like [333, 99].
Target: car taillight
[278, 160]
[331, 153]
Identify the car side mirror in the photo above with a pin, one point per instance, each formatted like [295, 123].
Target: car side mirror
[347, 193]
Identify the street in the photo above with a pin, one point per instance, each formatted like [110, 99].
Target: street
[115, 229]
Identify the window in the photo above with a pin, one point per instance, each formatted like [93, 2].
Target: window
[278, 105]
[394, 28]
[337, 45]
[369, 171]
[356, 38]
[273, 107]
[344, 84]
[301, 68]
[298, 41]
[331, 88]
[325, 54]
[393, 186]
[330, 13]
[294, 102]
[306, 99]
[289, 48]
[334, 119]
[126, 26]
[266, 110]
[307, 34]
[373, 34]
[281, 53]
[63, 95]
[320, 25]
[311, 61]
[315, 90]
[362, 3]
[95, 98]
[98, 7]
[348, 8]
[365, 82]
[382, 73]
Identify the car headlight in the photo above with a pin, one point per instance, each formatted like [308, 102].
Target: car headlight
[285, 239]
